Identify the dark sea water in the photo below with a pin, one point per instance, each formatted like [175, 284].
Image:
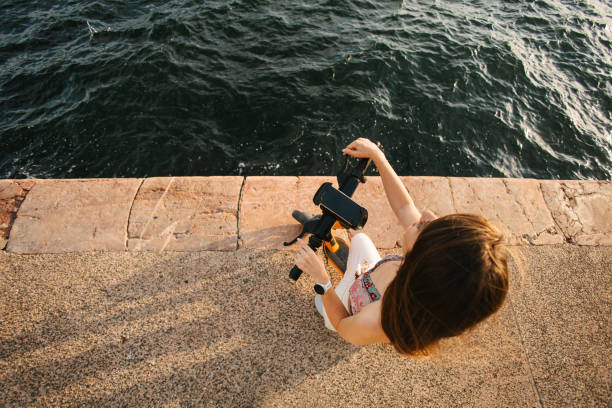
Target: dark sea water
[181, 88]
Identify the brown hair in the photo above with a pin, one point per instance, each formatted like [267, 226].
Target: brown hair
[455, 276]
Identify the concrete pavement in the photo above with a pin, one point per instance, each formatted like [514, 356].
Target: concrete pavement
[230, 329]
[96, 310]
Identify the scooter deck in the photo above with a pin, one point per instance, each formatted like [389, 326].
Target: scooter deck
[339, 258]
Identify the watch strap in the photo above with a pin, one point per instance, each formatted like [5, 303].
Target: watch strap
[322, 288]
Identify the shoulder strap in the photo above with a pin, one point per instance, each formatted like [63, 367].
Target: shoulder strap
[386, 259]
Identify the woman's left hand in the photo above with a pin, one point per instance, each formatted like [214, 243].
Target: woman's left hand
[308, 261]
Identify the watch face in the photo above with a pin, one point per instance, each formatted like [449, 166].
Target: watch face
[319, 289]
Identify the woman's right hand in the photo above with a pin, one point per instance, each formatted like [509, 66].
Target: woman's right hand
[363, 148]
[311, 263]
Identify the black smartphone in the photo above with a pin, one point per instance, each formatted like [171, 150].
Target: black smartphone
[348, 212]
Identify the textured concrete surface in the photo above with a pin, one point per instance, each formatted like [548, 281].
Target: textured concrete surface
[563, 310]
[144, 324]
[230, 329]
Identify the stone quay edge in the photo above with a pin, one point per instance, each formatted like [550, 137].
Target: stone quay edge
[224, 213]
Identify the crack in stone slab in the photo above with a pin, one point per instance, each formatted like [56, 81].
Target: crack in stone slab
[26, 186]
[564, 217]
[520, 205]
[169, 230]
[154, 211]
[594, 193]
[531, 238]
[238, 207]
[450, 187]
[34, 217]
[566, 237]
[558, 228]
[571, 205]
[127, 224]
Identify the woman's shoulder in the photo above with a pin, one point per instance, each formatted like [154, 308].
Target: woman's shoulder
[389, 258]
[385, 272]
[390, 262]
[369, 319]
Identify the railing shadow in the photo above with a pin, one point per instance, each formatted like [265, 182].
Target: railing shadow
[194, 328]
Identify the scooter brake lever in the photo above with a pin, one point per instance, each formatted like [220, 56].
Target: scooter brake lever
[295, 239]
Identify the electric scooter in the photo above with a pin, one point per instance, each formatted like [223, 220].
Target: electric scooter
[338, 210]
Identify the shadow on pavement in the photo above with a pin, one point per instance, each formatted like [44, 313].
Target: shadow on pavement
[195, 328]
[230, 329]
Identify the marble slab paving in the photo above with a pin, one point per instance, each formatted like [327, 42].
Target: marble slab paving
[581, 209]
[515, 206]
[267, 204]
[185, 214]
[266, 207]
[383, 227]
[223, 213]
[73, 216]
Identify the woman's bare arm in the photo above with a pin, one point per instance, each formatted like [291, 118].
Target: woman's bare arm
[364, 327]
[399, 199]
[334, 308]
[312, 264]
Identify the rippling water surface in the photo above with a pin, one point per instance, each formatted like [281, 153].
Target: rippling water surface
[450, 88]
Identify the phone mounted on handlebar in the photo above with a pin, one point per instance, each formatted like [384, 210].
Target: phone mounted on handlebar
[336, 207]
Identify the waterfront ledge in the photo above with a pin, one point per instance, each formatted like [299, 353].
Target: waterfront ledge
[224, 213]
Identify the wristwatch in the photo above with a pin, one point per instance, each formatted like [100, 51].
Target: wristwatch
[321, 288]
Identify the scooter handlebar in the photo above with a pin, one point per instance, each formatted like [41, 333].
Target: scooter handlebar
[295, 273]
[314, 243]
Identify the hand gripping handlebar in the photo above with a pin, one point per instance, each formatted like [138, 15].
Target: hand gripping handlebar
[336, 206]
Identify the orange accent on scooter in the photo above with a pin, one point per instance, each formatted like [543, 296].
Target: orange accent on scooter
[332, 245]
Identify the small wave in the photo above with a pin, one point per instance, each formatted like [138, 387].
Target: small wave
[487, 89]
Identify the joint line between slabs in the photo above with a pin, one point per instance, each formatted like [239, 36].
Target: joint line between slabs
[524, 352]
[127, 224]
[238, 213]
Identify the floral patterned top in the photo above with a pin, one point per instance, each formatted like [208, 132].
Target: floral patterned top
[363, 292]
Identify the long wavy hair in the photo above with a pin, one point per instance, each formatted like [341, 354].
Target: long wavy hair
[454, 277]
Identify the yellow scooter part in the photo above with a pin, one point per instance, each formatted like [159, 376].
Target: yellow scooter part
[336, 253]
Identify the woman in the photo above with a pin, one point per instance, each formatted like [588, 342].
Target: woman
[452, 276]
